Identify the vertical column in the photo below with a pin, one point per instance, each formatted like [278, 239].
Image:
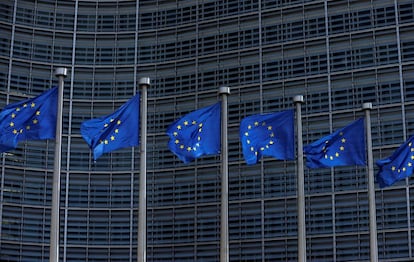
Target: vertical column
[61, 73]
[298, 100]
[224, 225]
[371, 188]
[144, 83]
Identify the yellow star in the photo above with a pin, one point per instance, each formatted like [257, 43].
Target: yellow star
[200, 125]
[182, 146]
[271, 142]
[403, 169]
[116, 131]
[106, 142]
[111, 120]
[412, 150]
[246, 133]
[27, 127]
[249, 127]
[38, 113]
[24, 105]
[262, 148]
[343, 140]
[13, 115]
[409, 164]
[11, 124]
[118, 122]
[35, 121]
[269, 128]
[186, 123]
[331, 157]
[175, 134]
[256, 123]
[177, 141]
[179, 127]
[251, 148]
[337, 154]
[248, 141]
[194, 122]
[341, 148]
[198, 138]
[112, 138]
[32, 105]
[412, 157]
[17, 109]
[393, 168]
[272, 134]
[106, 125]
[189, 149]
[15, 131]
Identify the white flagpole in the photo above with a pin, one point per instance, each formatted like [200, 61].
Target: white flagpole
[144, 83]
[224, 225]
[61, 73]
[298, 100]
[371, 188]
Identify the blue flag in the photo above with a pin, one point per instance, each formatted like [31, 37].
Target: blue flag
[398, 166]
[31, 119]
[117, 130]
[197, 133]
[344, 147]
[268, 135]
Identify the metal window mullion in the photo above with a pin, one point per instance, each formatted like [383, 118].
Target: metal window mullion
[400, 71]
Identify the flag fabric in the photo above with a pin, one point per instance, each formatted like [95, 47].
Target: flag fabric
[398, 166]
[268, 135]
[196, 134]
[115, 131]
[344, 147]
[30, 119]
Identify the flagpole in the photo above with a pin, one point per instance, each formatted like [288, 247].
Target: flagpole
[61, 73]
[371, 189]
[298, 100]
[224, 225]
[144, 83]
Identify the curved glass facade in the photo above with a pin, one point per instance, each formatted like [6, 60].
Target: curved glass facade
[338, 54]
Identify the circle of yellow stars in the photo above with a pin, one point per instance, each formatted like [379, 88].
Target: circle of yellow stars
[408, 164]
[113, 136]
[337, 153]
[28, 125]
[270, 134]
[180, 128]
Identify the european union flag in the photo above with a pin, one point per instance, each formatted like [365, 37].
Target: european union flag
[268, 135]
[398, 166]
[31, 119]
[344, 147]
[197, 133]
[117, 130]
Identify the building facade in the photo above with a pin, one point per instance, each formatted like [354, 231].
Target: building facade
[337, 53]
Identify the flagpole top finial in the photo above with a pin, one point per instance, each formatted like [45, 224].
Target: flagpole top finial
[144, 81]
[298, 99]
[61, 71]
[224, 90]
[367, 106]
